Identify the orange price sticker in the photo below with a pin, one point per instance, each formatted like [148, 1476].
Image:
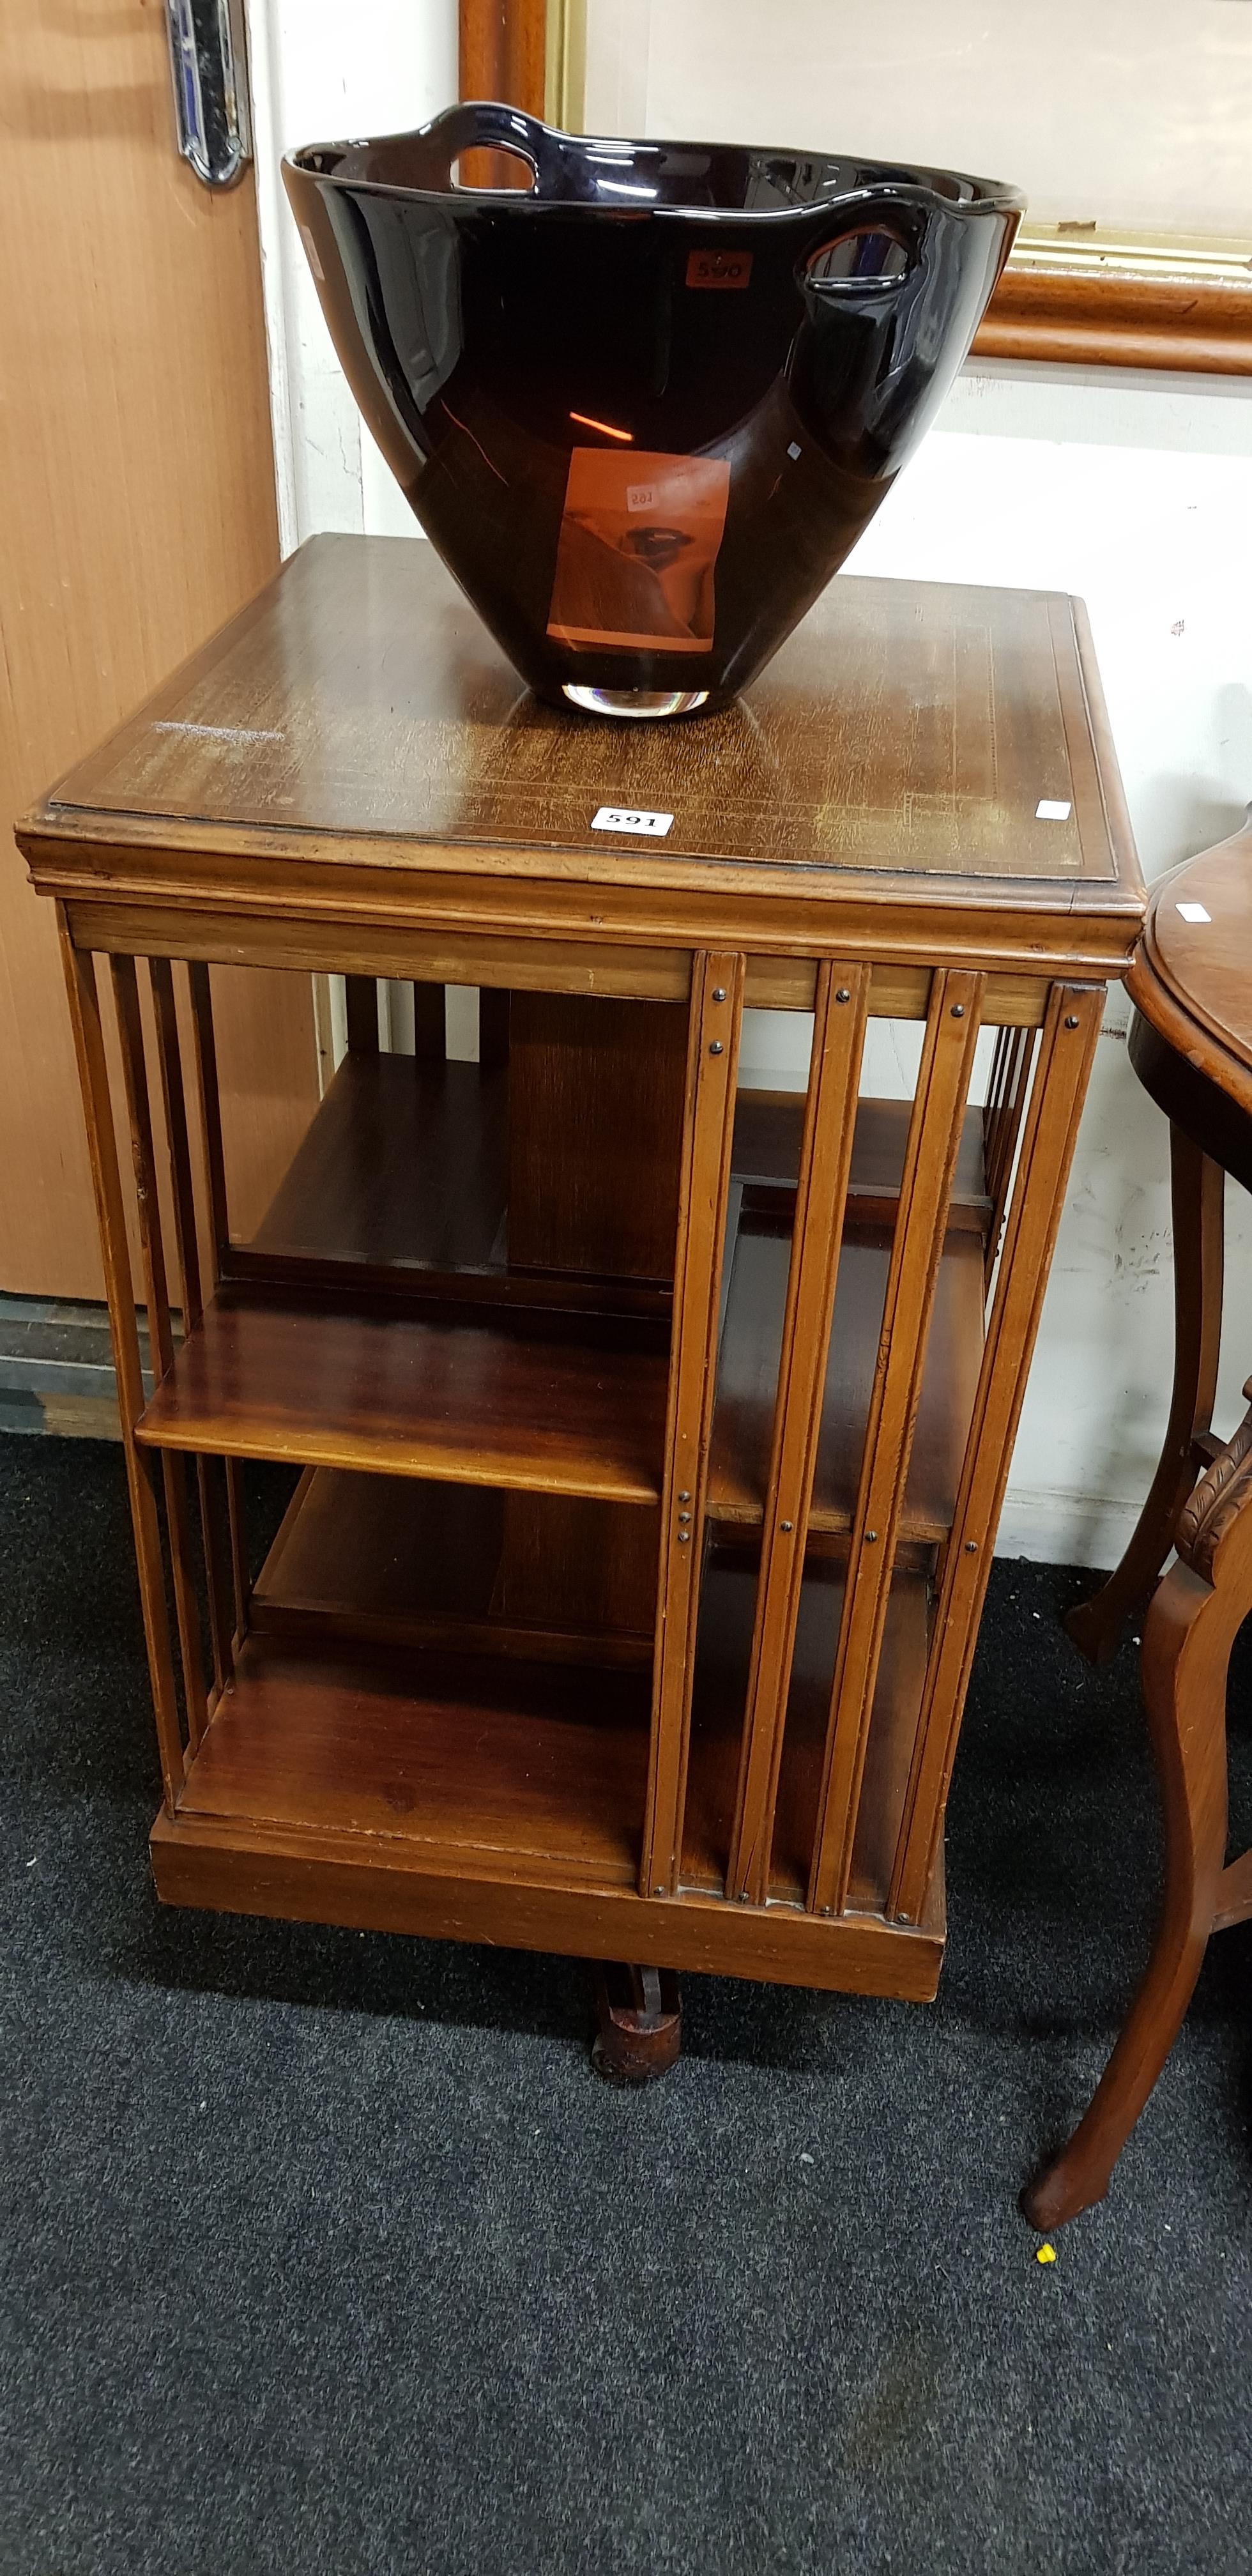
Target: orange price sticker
[719, 268]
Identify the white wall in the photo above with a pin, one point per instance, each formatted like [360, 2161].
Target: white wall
[1138, 496]
[1136, 493]
[1102, 110]
[321, 70]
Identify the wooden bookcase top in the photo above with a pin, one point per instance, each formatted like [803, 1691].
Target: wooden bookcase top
[358, 714]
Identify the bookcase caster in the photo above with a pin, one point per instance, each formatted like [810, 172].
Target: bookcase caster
[639, 2023]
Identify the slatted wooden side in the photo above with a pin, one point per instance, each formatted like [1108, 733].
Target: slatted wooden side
[925, 1193]
[716, 1013]
[1002, 1122]
[1067, 1046]
[825, 1159]
[84, 1002]
[210, 1478]
[160, 1332]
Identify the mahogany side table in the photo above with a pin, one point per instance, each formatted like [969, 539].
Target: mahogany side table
[1191, 1046]
[647, 1430]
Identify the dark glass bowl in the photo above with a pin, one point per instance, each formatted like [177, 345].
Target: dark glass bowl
[645, 406]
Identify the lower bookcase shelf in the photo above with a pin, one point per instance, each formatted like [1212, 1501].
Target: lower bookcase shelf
[520, 1763]
[402, 1744]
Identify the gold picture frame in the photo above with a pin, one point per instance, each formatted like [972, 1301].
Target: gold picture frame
[1072, 295]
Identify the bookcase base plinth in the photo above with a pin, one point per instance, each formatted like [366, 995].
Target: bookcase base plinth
[350, 1881]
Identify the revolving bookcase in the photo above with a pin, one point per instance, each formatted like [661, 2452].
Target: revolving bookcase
[645, 1420]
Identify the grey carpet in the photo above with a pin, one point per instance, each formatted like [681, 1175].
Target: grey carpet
[328, 2253]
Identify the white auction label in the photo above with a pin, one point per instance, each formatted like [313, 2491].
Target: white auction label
[1193, 912]
[1050, 810]
[627, 818]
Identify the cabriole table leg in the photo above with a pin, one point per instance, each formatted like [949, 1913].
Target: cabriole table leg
[1190, 1628]
[1198, 1191]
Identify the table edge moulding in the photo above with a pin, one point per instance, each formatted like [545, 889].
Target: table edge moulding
[648, 1430]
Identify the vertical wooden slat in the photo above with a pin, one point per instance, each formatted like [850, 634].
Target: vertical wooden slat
[840, 1006]
[174, 1100]
[994, 1104]
[1002, 1121]
[709, 1117]
[209, 1094]
[215, 1582]
[160, 1332]
[84, 1002]
[430, 1022]
[238, 1526]
[143, 1158]
[361, 1004]
[925, 1192]
[493, 1028]
[1068, 1044]
[209, 1097]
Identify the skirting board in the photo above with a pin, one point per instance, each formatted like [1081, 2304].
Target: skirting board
[56, 1368]
[1054, 1526]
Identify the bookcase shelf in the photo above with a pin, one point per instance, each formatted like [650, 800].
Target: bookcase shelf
[403, 1173]
[357, 1740]
[573, 1410]
[748, 1377]
[404, 1163]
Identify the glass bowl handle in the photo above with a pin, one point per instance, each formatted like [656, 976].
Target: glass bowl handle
[483, 124]
[871, 243]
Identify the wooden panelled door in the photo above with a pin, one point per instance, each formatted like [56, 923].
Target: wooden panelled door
[137, 514]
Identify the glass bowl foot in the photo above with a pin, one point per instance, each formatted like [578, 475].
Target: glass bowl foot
[635, 702]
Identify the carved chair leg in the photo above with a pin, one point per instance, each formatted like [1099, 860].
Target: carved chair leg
[1197, 1189]
[638, 2023]
[1190, 1629]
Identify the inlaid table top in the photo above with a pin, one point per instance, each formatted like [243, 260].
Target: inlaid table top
[1195, 964]
[934, 745]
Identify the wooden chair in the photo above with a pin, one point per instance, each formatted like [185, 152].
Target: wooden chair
[1191, 1046]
